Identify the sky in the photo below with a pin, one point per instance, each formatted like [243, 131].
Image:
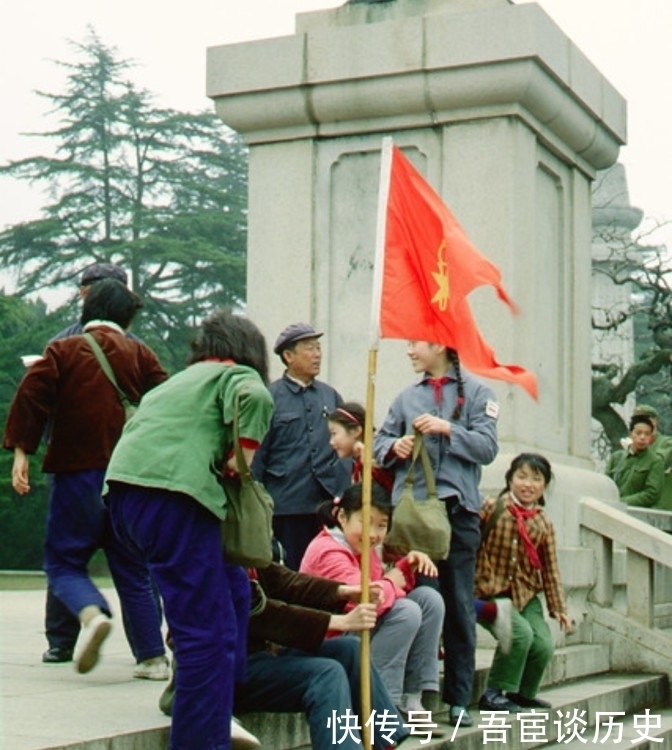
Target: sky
[629, 42]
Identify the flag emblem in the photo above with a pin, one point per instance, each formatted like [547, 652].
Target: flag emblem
[441, 277]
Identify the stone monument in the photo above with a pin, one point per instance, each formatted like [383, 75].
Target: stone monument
[509, 122]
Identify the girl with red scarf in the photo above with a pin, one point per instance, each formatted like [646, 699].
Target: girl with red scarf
[517, 559]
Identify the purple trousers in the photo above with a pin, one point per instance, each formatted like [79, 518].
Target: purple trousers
[206, 603]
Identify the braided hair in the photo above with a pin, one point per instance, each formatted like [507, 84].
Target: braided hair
[455, 361]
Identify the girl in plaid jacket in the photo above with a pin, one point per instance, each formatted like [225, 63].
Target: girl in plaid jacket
[517, 559]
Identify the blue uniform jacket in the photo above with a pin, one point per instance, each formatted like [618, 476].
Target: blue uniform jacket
[456, 461]
[295, 461]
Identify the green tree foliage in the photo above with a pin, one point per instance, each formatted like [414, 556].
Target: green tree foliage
[24, 329]
[159, 192]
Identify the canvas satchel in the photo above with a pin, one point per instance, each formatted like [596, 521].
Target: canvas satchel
[420, 523]
[247, 530]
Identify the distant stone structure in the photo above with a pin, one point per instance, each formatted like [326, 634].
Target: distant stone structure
[614, 221]
[510, 123]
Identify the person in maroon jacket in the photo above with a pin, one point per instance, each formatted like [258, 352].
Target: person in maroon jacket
[68, 387]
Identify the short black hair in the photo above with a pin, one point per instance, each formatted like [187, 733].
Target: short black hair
[641, 419]
[352, 500]
[536, 462]
[224, 335]
[109, 299]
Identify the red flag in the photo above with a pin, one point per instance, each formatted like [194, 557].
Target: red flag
[429, 268]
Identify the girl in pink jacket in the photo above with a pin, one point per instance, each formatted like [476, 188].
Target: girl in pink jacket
[405, 640]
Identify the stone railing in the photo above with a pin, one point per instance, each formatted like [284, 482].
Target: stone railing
[647, 553]
[660, 519]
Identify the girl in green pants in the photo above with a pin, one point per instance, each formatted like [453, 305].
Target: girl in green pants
[517, 559]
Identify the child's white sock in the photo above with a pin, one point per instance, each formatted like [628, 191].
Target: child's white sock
[411, 702]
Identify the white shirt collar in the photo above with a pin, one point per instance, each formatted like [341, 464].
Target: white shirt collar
[106, 323]
[297, 381]
[521, 505]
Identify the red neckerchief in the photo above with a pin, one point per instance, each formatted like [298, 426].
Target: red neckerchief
[521, 514]
[437, 386]
[384, 477]
[357, 470]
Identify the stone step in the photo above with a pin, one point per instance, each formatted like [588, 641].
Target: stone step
[634, 731]
[53, 707]
[603, 692]
[569, 663]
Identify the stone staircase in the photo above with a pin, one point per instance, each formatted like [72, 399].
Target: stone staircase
[619, 659]
[52, 708]
[608, 682]
[579, 685]
[615, 666]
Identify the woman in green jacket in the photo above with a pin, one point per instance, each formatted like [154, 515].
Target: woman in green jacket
[166, 501]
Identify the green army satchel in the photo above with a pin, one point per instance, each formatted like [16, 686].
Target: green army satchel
[247, 530]
[420, 524]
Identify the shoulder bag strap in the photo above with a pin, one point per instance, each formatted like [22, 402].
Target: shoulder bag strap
[243, 468]
[106, 368]
[420, 450]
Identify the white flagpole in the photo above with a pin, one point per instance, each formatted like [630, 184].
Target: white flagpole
[367, 460]
[381, 220]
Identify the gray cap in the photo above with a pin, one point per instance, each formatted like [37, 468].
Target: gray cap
[293, 333]
[100, 271]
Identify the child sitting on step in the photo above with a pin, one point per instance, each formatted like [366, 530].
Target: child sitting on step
[517, 559]
[405, 641]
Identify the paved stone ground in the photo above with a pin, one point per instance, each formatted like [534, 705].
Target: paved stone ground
[50, 705]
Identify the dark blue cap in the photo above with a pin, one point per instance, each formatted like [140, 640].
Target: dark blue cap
[100, 271]
[295, 332]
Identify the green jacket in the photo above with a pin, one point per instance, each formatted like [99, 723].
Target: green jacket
[181, 437]
[663, 447]
[639, 478]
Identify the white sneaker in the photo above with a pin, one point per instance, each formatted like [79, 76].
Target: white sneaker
[152, 669]
[241, 739]
[502, 627]
[91, 637]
